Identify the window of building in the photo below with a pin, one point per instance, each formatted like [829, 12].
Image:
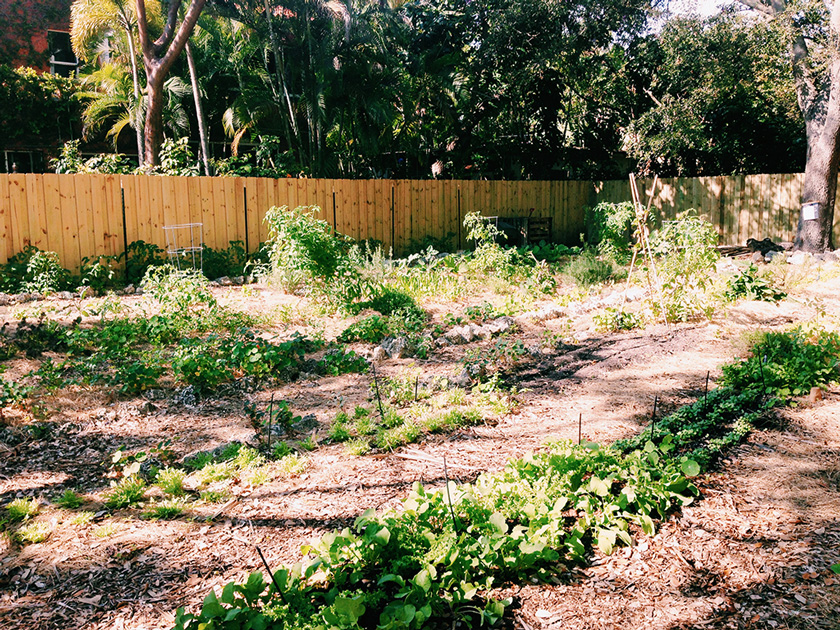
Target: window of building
[62, 59]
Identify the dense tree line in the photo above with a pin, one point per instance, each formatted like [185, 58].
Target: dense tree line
[455, 88]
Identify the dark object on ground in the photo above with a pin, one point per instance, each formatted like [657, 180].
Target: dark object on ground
[764, 246]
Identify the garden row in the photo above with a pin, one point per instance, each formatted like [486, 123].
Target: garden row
[441, 557]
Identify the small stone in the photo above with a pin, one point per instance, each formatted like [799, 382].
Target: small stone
[815, 395]
[634, 294]
[757, 257]
[480, 332]
[147, 408]
[86, 292]
[224, 281]
[5, 299]
[463, 380]
[442, 342]
[129, 290]
[798, 258]
[459, 335]
[239, 280]
[187, 396]
[771, 255]
[831, 257]
[500, 325]
[396, 348]
[379, 354]
[64, 295]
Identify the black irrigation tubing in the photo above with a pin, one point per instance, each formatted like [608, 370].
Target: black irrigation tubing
[706, 396]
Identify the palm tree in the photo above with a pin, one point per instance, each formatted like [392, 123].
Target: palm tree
[111, 103]
[94, 21]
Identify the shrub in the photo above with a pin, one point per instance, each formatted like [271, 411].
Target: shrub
[303, 252]
[139, 258]
[588, 270]
[751, 285]
[165, 510]
[609, 227]
[686, 256]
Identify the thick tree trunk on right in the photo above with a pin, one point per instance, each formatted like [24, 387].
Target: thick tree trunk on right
[813, 233]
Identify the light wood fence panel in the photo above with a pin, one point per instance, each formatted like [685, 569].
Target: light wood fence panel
[80, 216]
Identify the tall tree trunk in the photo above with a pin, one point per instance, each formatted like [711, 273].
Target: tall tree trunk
[158, 57]
[199, 111]
[280, 71]
[813, 234]
[135, 80]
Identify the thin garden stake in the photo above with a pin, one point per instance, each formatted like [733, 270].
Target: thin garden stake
[376, 389]
[706, 395]
[761, 361]
[580, 428]
[270, 418]
[416, 385]
[449, 497]
[271, 574]
[653, 418]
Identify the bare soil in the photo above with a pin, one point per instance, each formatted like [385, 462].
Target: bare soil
[753, 552]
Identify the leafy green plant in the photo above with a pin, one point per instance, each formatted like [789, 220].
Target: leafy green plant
[82, 518]
[127, 492]
[177, 291]
[69, 500]
[101, 273]
[171, 481]
[23, 509]
[229, 262]
[303, 251]
[751, 285]
[33, 533]
[165, 510]
[609, 228]
[139, 258]
[371, 329]
[338, 361]
[788, 363]
[613, 319]
[686, 256]
[587, 269]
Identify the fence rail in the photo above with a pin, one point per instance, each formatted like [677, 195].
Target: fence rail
[80, 216]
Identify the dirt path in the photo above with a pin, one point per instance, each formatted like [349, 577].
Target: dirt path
[754, 552]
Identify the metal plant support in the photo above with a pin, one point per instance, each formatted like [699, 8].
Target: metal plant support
[185, 246]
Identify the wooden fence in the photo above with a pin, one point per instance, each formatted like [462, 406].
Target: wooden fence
[740, 206]
[80, 216]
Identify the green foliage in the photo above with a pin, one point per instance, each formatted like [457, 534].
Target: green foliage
[127, 492]
[342, 361]
[613, 319]
[23, 509]
[226, 262]
[177, 291]
[587, 269]
[101, 273]
[32, 270]
[686, 257]
[38, 107]
[70, 160]
[69, 500]
[167, 509]
[304, 252]
[139, 258]
[372, 329]
[33, 533]
[751, 285]
[609, 228]
[788, 363]
[171, 481]
[435, 560]
[177, 159]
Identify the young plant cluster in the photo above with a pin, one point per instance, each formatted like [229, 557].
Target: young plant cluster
[440, 557]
